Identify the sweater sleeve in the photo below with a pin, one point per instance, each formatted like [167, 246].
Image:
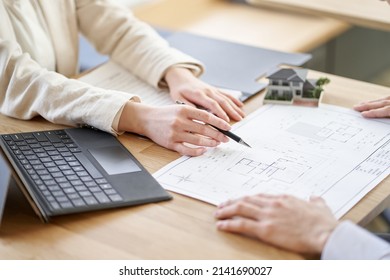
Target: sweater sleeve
[349, 241]
[114, 31]
[28, 90]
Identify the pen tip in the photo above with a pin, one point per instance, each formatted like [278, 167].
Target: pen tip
[245, 144]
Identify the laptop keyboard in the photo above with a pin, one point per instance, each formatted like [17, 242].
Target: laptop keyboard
[64, 177]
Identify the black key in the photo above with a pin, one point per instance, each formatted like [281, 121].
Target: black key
[31, 141]
[110, 191]
[101, 181]
[68, 172]
[60, 132]
[85, 193]
[116, 197]
[49, 164]
[56, 174]
[90, 200]
[90, 184]
[73, 196]
[46, 143]
[17, 138]
[74, 163]
[55, 205]
[29, 153]
[53, 153]
[45, 159]
[46, 177]
[69, 190]
[65, 185]
[39, 167]
[105, 186]
[70, 158]
[76, 183]
[7, 137]
[78, 202]
[66, 205]
[58, 145]
[61, 180]
[58, 193]
[35, 146]
[31, 172]
[62, 199]
[27, 166]
[46, 193]
[86, 178]
[42, 155]
[50, 182]
[64, 167]
[54, 188]
[28, 136]
[58, 157]
[72, 177]
[53, 169]
[95, 189]
[81, 188]
[40, 136]
[78, 168]
[101, 197]
[52, 137]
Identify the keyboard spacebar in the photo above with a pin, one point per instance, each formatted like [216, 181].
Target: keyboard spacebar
[88, 166]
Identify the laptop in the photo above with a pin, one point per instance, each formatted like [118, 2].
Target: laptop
[78, 170]
[5, 178]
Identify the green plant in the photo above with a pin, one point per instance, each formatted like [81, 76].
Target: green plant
[316, 92]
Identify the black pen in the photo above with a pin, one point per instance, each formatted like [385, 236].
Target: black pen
[229, 134]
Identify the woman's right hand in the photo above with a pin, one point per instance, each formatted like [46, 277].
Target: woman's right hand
[173, 126]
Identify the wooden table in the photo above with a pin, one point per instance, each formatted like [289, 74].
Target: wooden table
[367, 13]
[182, 228]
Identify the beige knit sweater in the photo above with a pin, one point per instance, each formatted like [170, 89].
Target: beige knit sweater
[39, 52]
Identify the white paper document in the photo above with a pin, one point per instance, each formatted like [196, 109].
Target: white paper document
[329, 151]
[112, 76]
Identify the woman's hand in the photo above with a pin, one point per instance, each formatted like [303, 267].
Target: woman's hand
[281, 220]
[379, 108]
[173, 126]
[185, 87]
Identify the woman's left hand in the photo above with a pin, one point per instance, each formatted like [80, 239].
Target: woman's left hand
[185, 87]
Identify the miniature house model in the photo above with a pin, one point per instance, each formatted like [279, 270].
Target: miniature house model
[289, 85]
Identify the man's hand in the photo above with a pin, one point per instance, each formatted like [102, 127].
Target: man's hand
[281, 220]
[379, 108]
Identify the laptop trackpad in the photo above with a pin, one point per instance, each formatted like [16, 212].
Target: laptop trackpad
[114, 160]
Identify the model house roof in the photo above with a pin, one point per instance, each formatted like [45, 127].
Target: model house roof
[290, 75]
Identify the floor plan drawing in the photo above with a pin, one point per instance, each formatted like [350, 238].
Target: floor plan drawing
[329, 152]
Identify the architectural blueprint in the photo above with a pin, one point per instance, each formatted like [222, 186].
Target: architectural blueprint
[328, 151]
